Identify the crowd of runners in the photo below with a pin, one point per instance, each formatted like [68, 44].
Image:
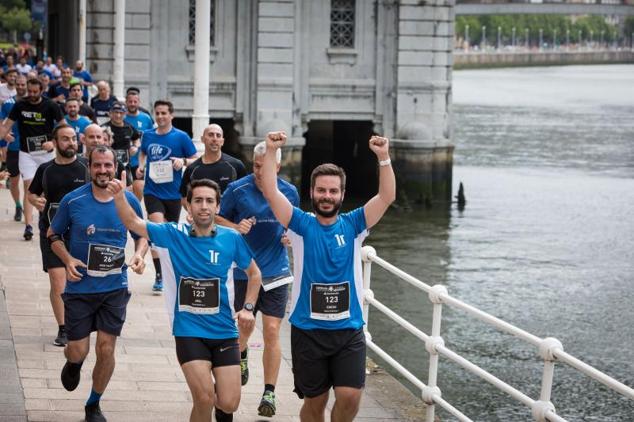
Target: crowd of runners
[218, 238]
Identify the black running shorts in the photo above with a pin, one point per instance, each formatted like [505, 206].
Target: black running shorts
[327, 358]
[170, 208]
[271, 303]
[13, 159]
[220, 352]
[85, 313]
[49, 259]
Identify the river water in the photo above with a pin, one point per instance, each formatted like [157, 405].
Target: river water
[546, 241]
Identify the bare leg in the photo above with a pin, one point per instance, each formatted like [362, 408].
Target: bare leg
[272, 356]
[28, 207]
[104, 366]
[314, 408]
[14, 188]
[57, 277]
[198, 376]
[77, 350]
[347, 400]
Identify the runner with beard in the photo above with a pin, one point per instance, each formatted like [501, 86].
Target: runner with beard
[52, 181]
[96, 294]
[327, 340]
[36, 117]
[94, 136]
[199, 286]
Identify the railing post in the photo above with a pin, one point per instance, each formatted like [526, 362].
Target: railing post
[434, 340]
[366, 253]
[544, 405]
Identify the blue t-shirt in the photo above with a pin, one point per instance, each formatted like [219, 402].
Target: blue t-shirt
[189, 262]
[141, 122]
[79, 125]
[242, 200]
[160, 148]
[328, 286]
[4, 113]
[97, 238]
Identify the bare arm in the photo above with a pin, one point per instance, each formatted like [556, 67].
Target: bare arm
[5, 129]
[37, 201]
[243, 227]
[59, 248]
[128, 217]
[280, 205]
[246, 319]
[137, 264]
[141, 169]
[377, 205]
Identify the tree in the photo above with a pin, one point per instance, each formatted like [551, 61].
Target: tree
[15, 20]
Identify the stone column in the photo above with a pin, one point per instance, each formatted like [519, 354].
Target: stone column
[82, 31]
[119, 48]
[200, 118]
[423, 151]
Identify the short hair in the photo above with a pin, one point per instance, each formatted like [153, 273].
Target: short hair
[74, 84]
[260, 149]
[35, 81]
[102, 149]
[60, 126]
[132, 90]
[69, 99]
[205, 183]
[328, 169]
[12, 70]
[167, 103]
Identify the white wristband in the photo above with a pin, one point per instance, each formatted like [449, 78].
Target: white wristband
[385, 162]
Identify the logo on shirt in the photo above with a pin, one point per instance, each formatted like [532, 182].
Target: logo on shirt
[158, 152]
[213, 256]
[341, 242]
[90, 230]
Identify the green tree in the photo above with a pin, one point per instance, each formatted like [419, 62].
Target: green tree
[16, 20]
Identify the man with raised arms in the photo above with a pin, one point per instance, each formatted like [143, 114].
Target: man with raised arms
[199, 295]
[327, 339]
[244, 208]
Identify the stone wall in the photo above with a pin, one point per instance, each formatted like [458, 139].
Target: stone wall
[480, 60]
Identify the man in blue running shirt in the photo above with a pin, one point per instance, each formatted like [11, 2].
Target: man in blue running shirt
[164, 152]
[327, 340]
[199, 290]
[96, 294]
[244, 208]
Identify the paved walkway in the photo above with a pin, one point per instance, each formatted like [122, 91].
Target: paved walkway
[147, 384]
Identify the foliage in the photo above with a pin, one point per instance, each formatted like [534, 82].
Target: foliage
[554, 27]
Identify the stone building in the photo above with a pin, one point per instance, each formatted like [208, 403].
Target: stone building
[329, 72]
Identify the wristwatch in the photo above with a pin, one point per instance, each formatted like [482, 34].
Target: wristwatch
[248, 307]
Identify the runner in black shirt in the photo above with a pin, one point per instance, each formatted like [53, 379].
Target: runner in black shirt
[213, 164]
[126, 139]
[36, 116]
[52, 181]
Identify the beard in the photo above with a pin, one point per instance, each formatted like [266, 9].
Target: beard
[326, 214]
[101, 184]
[68, 153]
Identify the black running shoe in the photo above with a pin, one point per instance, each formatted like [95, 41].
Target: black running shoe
[93, 413]
[28, 232]
[61, 340]
[267, 404]
[223, 417]
[69, 381]
[18, 214]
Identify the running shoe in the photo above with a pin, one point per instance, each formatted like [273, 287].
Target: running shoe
[70, 381]
[61, 340]
[267, 404]
[18, 214]
[93, 413]
[28, 232]
[157, 288]
[244, 368]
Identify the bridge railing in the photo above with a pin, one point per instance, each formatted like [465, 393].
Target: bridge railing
[550, 349]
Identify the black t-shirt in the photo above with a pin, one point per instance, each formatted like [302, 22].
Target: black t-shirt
[35, 122]
[223, 172]
[86, 110]
[56, 180]
[123, 136]
[102, 108]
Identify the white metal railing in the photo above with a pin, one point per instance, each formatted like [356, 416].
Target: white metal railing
[550, 349]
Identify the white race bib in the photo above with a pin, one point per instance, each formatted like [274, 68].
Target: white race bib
[161, 171]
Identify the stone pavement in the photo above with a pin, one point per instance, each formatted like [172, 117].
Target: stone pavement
[147, 383]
